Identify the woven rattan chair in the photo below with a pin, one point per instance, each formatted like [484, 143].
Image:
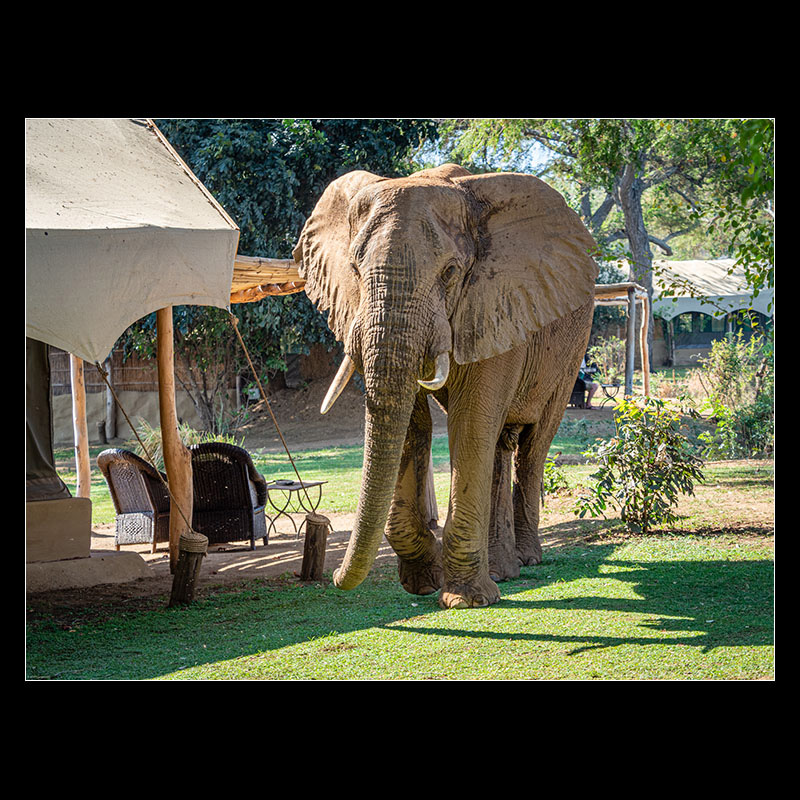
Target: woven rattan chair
[140, 498]
[229, 496]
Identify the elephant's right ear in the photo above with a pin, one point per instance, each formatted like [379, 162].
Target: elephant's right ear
[323, 252]
[533, 265]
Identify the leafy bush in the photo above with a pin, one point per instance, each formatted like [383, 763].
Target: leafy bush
[553, 478]
[609, 355]
[644, 468]
[738, 377]
[150, 445]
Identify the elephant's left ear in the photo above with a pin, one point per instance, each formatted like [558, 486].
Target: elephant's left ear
[533, 266]
[322, 252]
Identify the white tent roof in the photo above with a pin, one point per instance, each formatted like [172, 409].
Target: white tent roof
[117, 226]
[712, 287]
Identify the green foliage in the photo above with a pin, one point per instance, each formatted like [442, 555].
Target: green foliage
[609, 355]
[644, 468]
[739, 377]
[553, 478]
[148, 444]
[269, 173]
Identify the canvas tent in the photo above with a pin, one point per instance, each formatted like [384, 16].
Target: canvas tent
[715, 287]
[117, 226]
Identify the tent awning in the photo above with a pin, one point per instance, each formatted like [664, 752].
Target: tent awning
[117, 226]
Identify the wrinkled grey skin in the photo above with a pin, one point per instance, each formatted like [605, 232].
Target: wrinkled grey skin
[486, 281]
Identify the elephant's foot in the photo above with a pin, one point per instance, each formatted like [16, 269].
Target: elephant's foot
[529, 551]
[503, 564]
[470, 595]
[421, 576]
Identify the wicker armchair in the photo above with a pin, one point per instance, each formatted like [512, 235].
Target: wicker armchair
[140, 498]
[229, 496]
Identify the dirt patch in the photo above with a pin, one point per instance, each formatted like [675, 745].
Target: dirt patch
[225, 568]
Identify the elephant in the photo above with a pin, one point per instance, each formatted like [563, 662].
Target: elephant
[477, 290]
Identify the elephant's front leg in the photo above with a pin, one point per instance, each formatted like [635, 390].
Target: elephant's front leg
[465, 542]
[407, 529]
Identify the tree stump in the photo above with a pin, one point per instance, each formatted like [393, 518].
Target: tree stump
[316, 542]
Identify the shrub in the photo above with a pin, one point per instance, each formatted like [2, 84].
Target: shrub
[150, 444]
[644, 468]
[609, 355]
[553, 478]
[738, 378]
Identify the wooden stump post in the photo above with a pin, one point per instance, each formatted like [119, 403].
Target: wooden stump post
[187, 570]
[316, 542]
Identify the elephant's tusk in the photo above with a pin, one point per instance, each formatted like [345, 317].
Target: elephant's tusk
[442, 371]
[346, 370]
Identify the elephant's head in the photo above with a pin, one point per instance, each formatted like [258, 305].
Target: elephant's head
[415, 271]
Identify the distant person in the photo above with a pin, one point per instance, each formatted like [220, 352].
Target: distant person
[585, 375]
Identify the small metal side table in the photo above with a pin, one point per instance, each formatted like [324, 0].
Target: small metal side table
[294, 496]
[610, 391]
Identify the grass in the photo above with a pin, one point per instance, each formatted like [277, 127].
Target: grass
[671, 608]
[692, 603]
[340, 466]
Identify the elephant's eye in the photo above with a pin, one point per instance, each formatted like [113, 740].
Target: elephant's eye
[448, 273]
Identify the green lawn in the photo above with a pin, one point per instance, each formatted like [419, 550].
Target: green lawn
[695, 603]
[340, 466]
[666, 608]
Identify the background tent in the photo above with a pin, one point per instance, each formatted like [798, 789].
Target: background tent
[710, 287]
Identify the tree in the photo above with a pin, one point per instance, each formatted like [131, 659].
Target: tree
[631, 179]
[268, 174]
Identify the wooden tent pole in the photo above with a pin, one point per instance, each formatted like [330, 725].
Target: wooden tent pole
[644, 348]
[630, 349]
[177, 460]
[79, 427]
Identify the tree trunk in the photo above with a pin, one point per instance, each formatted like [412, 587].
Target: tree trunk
[629, 192]
[111, 405]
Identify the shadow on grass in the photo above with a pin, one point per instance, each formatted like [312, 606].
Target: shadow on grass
[697, 603]
[708, 604]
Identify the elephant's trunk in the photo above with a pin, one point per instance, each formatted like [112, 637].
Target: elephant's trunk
[391, 356]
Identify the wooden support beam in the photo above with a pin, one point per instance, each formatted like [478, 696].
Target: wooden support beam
[79, 427]
[645, 350]
[630, 342]
[186, 547]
